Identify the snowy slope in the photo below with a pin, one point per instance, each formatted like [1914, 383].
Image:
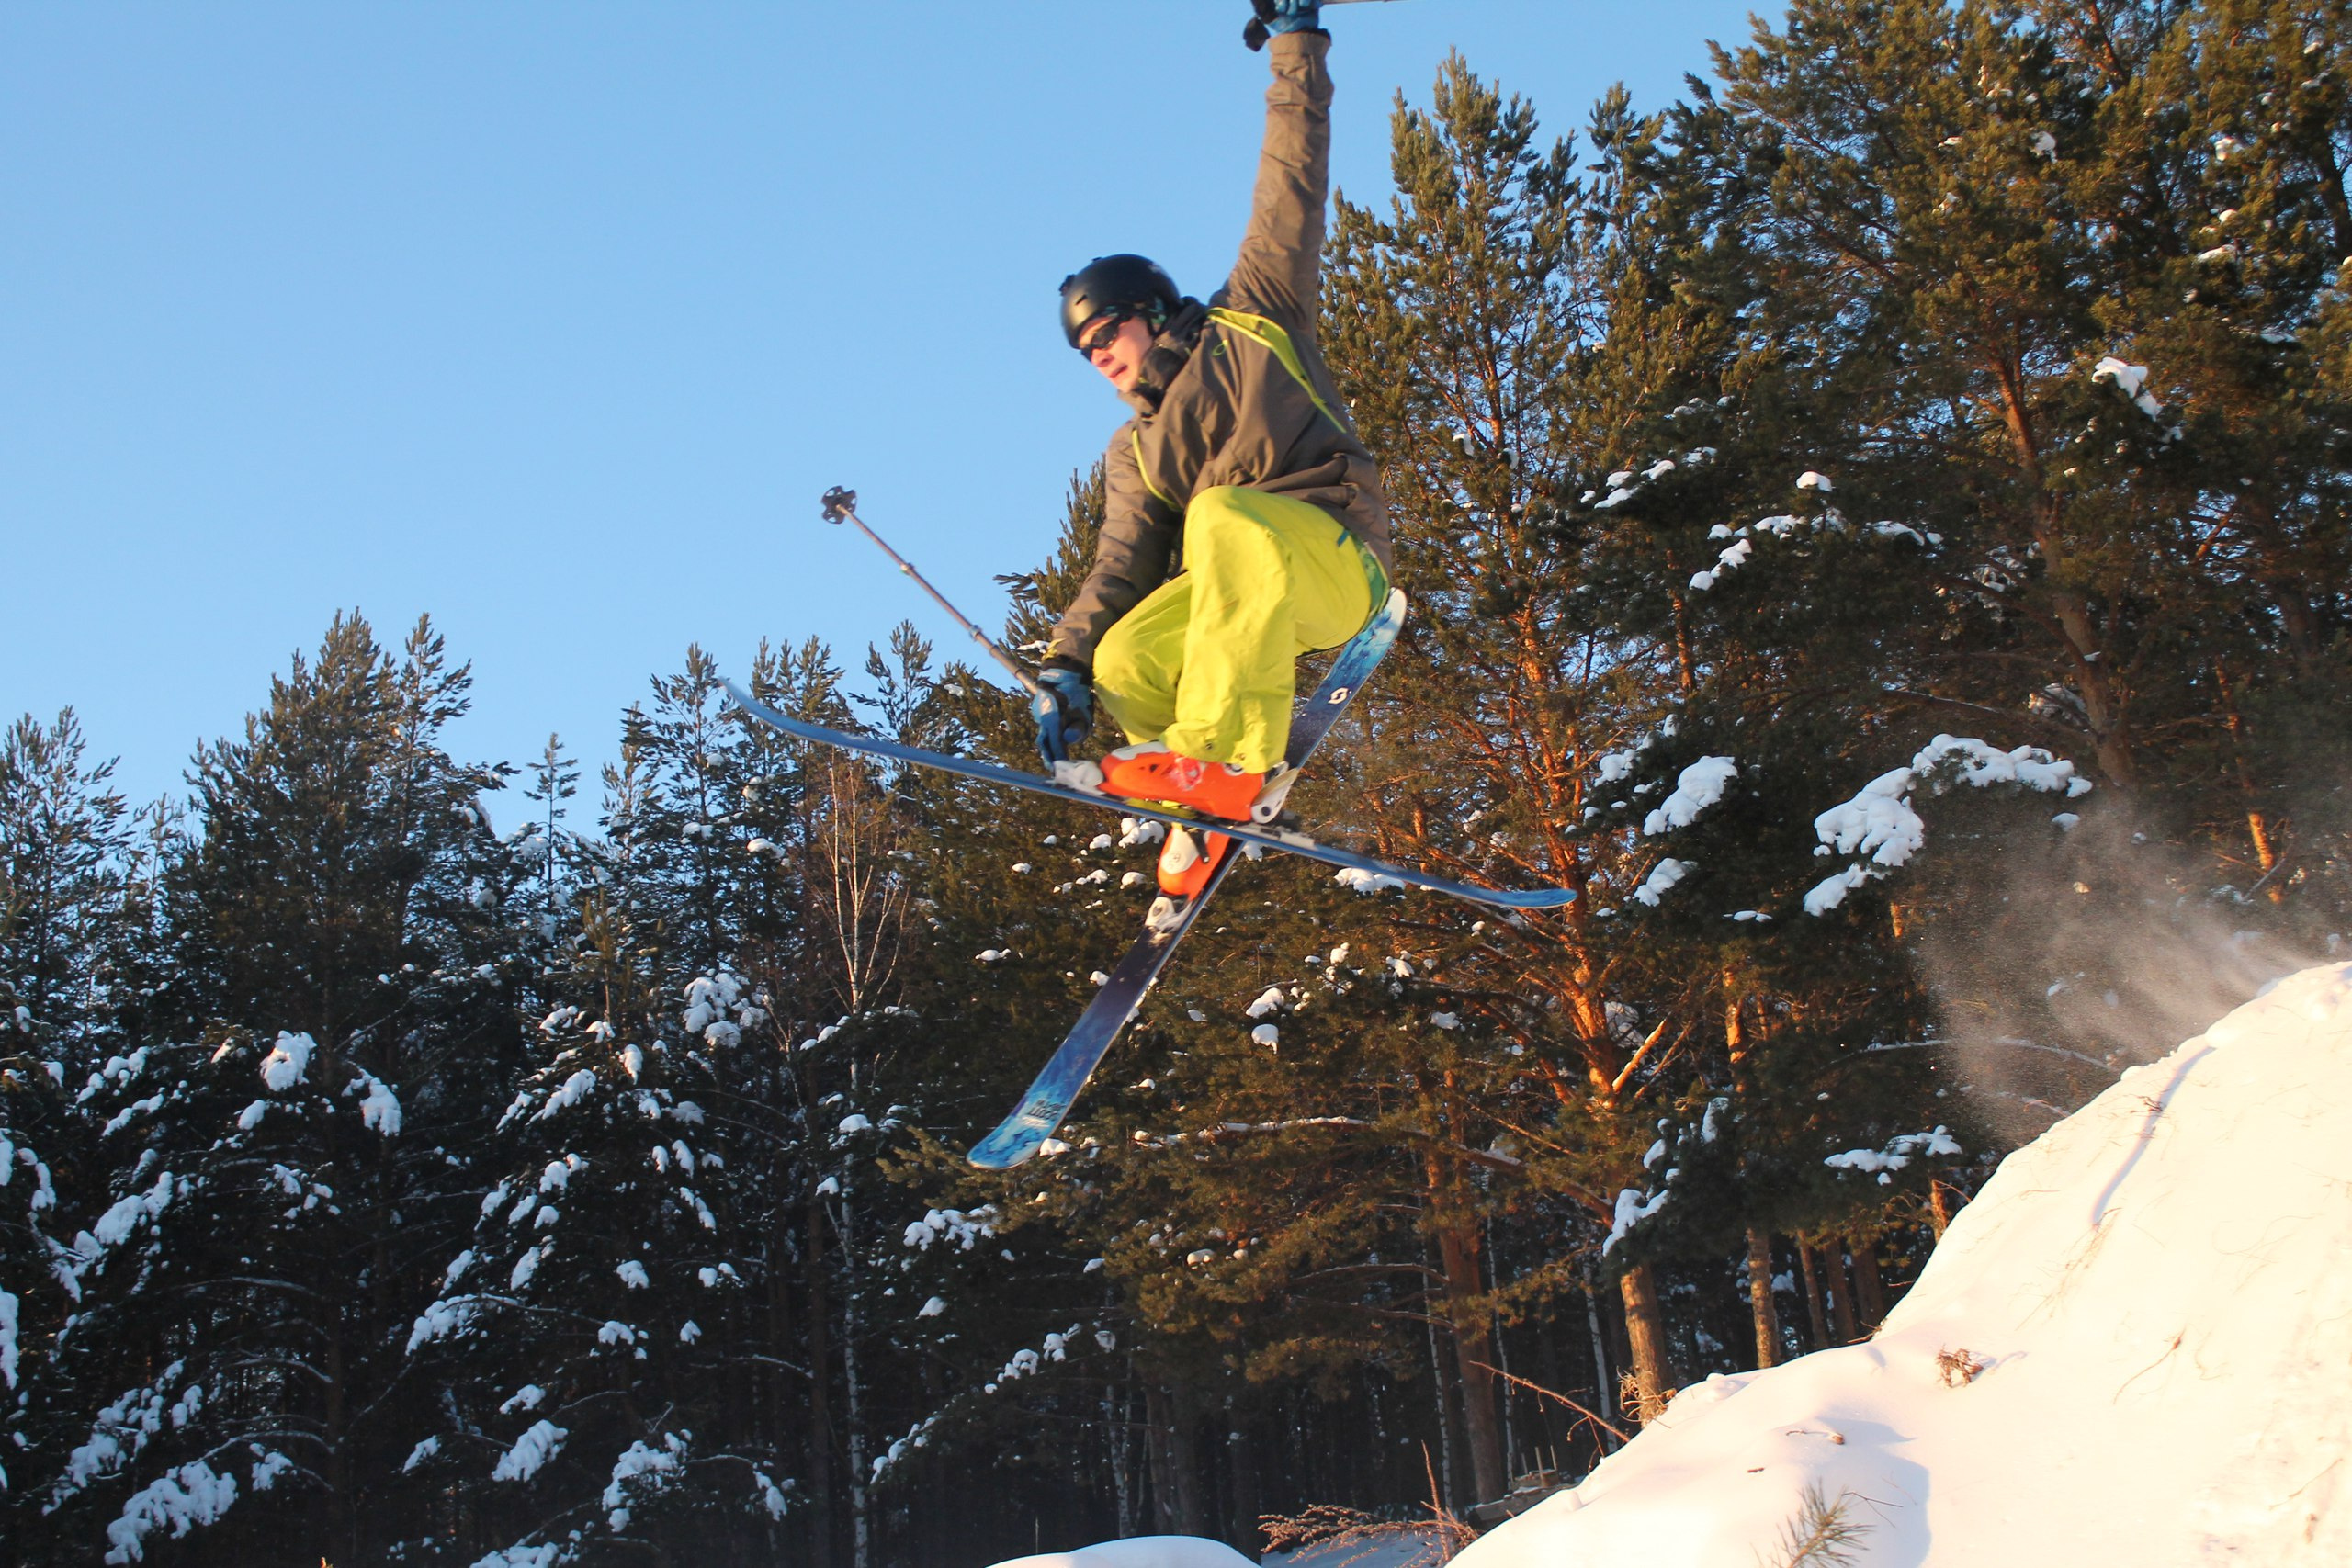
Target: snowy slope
[1397, 1547]
[2160, 1291]
[1139, 1551]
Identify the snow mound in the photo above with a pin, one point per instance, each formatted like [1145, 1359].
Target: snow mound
[2134, 1346]
[1139, 1551]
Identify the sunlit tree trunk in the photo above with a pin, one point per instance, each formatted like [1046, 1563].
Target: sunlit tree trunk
[1760, 1297]
[1456, 1227]
[1646, 1328]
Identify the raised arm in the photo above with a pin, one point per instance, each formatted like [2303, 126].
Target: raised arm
[1281, 268]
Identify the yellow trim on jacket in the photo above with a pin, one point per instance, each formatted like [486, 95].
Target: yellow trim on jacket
[1143, 471]
[1269, 336]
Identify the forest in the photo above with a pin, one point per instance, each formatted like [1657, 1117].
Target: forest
[1875, 528]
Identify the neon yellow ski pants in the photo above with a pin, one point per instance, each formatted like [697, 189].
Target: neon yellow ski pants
[1207, 663]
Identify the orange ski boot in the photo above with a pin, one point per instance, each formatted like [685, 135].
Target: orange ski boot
[1186, 864]
[1151, 771]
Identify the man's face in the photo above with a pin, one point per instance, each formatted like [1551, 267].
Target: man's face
[1118, 355]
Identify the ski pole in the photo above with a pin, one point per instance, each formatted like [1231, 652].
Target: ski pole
[841, 505]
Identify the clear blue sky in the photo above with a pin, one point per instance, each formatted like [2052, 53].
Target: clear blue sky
[554, 319]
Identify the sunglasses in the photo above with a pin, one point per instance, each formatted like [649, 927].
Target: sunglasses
[1103, 332]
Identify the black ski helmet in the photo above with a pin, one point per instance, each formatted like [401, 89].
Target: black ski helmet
[1135, 285]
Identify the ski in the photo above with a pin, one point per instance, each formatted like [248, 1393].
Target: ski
[1270, 836]
[1060, 1082]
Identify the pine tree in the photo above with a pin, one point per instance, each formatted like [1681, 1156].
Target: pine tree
[1454, 328]
[70, 911]
[550, 853]
[66, 885]
[276, 1149]
[587, 1332]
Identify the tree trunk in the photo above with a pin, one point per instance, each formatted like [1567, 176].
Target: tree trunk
[821, 1412]
[1176, 1493]
[1445, 1383]
[1241, 1468]
[1184, 1448]
[1686, 662]
[2261, 828]
[1115, 1436]
[854, 1402]
[1474, 1351]
[1646, 1328]
[1940, 1205]
[1819, 1324]
[1604, 1385]
[2080, 651]
[1159, 1455]
[342, 1513]
[1760, 1297]
[1841, 1294]
[1870, 1292]
[785, 1407]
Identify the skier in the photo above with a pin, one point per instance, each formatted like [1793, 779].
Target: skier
[1239, 471]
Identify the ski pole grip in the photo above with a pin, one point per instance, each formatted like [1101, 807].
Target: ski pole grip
[839, 504]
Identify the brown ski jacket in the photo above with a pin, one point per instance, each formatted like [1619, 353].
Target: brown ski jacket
[1234, 393]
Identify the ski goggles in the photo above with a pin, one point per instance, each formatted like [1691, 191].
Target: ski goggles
[1102, 331]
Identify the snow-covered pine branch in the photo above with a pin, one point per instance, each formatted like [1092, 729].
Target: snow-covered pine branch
[1881, 826]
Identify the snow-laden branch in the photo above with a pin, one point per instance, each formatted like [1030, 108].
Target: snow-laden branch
[1879, 825]
[289, 1061]
[962, 1229]
[1226, 1131]
[1633, 1206]
[2131, 381]
[1740, 543]
[644, 1471]
[181, 1498]
[114, 1226]
[1625, 483]
[193, 1494]
[121, 1432]
[1697, 787]
[540, 1442]
[381, 1108]
[1899, 1152]
[1662, 877]
[1024, 1363]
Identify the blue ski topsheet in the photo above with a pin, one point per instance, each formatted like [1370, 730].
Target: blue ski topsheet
[1248, 833]
[1055, 1089]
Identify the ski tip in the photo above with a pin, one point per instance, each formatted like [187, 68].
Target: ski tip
[999, 1152]
[1019, 1136]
